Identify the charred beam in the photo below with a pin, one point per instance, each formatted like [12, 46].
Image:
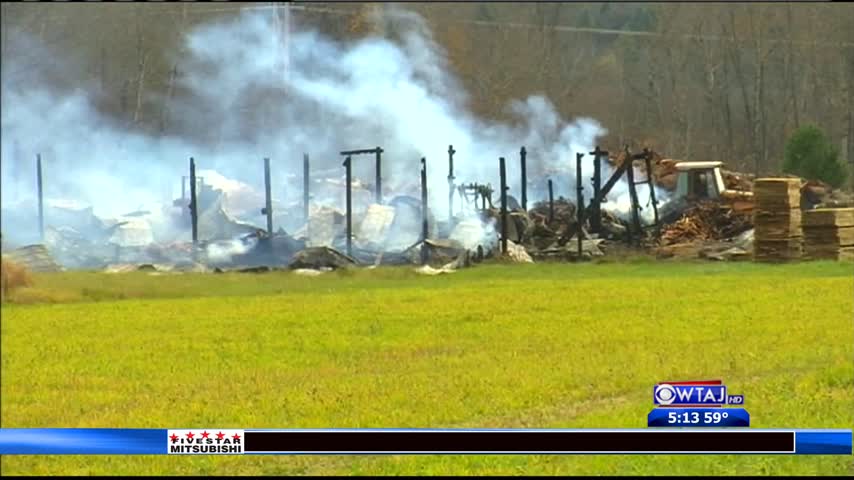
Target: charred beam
[424, 226]
[349, 153]
[194, 212]
[268, 198]
[349, 207]
[615, 177]
[379, 176]
[551, 202]
[305, 187]
[503, 175]
[41, 195]
[595, 214]
[523, 159]
[378, 189]
[451, 153]
[579, 210]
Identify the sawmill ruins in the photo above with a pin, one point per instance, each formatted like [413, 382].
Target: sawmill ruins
[693, 210]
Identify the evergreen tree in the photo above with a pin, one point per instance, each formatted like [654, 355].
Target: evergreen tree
[811, 155]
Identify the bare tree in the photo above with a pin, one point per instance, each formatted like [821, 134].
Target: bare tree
[142, 62]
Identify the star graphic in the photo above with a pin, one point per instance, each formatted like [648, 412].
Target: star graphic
[205, 434]
[219, 435]
[174, 438]
[236, 437]
[190, 435]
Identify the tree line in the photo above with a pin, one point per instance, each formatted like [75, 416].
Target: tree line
[695, 81]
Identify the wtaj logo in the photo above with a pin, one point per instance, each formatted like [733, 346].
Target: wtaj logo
[698, 393]
[205, 442]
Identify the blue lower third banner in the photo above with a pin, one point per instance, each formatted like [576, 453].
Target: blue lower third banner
[698, 417]
[212, 441]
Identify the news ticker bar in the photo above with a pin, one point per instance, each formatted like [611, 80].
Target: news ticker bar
[109, 441]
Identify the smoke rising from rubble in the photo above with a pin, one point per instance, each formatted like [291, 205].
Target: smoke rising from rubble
[223, 251]
[239, 106]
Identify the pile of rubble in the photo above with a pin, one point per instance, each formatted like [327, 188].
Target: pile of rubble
[706, 221]
[391, 233]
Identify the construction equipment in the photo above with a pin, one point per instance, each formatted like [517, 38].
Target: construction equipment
[702, 181]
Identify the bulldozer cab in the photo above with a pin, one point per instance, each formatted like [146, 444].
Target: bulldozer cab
[699, 180]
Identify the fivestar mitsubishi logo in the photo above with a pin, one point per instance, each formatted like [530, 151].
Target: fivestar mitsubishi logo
[204, 441]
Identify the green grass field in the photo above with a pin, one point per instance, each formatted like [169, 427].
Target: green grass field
[537, 346]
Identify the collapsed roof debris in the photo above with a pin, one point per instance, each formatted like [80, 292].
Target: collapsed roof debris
[713, 221]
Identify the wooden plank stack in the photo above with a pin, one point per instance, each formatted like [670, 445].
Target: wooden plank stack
[829, 234]
[777, 219]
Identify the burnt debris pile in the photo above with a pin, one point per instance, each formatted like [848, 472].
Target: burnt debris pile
[637, 200]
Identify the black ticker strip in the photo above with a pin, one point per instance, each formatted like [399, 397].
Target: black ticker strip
[504, 441]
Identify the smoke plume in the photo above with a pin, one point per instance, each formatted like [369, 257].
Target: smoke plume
[239, 105]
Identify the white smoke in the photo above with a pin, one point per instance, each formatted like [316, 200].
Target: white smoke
[223, 251]
[398, 94]
[471, 232]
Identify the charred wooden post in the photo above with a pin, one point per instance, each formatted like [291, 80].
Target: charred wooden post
[379, 176]
[305, 187]
[653, 200]
[349, 207]
[194, 213]
[503, 175]
[579, 210]
[522, 157]
[41, 195]
[595, 213]
[424, 226]
[451, 153]
[551, 202]
[615, 177]
[378, 188]
[268, 198]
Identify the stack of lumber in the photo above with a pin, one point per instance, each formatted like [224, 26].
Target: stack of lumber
[829, 233]
[777, 219]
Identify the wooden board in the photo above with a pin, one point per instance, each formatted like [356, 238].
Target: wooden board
[774, 203]
[837, 217]
[781, 231]
[777, 225]
[844, 253]
[776, 216]
[777, 193]
[829, 236]
[771, 250]
[774, 186]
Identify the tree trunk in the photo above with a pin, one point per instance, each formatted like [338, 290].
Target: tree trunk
[165, 111]
[790, 68]
[850, 152]
[142, 61]
[759, 109]
[103, 69]
[140, 84]
[735, 58]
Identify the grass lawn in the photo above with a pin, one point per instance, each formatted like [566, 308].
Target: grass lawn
[537, 346]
